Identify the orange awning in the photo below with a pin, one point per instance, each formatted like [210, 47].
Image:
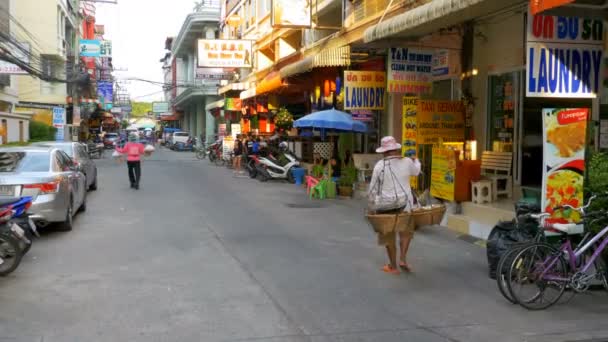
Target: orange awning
[537, 6]
[269, 83]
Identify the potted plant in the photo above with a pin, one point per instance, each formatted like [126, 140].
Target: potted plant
[346, 181]
[283, 119]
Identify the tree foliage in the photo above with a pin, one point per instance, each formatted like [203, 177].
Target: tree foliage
[41, 132]
[597, 183]
[140, 108]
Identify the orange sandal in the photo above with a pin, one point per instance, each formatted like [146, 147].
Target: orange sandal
[389, 269]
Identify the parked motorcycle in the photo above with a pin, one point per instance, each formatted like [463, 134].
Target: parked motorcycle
[16, 232]
[215, 152]
[279, 167]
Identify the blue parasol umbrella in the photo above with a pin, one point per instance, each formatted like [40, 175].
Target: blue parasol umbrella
[331, 120]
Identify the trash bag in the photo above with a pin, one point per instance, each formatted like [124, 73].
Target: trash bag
[149, 148]
[505, 235]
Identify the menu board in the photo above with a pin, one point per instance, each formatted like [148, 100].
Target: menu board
[443, 173]
[408, 143]
[564, 132]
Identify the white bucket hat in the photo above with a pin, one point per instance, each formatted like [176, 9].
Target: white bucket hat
[388, 144]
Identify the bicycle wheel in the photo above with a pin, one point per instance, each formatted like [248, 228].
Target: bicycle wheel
[200, 154]
[502, 269]
[531, 278]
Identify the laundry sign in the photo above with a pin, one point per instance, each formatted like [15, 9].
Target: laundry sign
[563, 56]
[364, 90]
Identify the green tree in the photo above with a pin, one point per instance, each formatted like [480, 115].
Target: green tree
[41, 132]
[139, 109]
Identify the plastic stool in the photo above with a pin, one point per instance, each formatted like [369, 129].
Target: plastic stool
[298, 175]
[481, 191]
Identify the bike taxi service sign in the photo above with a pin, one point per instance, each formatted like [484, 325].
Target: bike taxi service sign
[563, 161]
[364, 90]
[563, 56]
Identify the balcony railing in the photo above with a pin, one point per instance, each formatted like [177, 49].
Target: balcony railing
[203, 5]
[360, 10]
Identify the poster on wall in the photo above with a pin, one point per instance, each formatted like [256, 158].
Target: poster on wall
[224, 53]
[291, 13]
[59, 117]
[221, 130]
[408, 141]
[563, 161]
[563, 56]
[235, 129]
[439, 122]
[364, 90]
[443, 171]
[410, 71]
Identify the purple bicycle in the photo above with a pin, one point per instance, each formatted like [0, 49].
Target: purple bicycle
[540, 272]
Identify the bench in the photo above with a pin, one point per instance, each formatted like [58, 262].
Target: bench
[496, 166]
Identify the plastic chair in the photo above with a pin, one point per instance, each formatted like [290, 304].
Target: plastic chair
[311, 182]
[319, 190]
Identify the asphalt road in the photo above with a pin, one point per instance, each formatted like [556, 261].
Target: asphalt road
[198, 255]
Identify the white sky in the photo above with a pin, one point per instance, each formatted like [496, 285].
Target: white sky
[138, 29]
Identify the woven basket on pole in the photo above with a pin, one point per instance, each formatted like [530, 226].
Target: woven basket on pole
[390, 222]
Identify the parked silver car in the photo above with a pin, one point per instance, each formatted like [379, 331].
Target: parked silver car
[49, 176]
[78, 152]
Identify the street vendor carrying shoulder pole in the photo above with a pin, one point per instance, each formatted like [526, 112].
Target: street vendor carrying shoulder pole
[390, 192]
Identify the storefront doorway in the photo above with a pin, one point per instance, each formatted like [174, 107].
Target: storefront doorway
[515, 124]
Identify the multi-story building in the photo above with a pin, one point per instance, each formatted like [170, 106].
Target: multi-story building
[192, 93]
[13, 126]
[52, 34]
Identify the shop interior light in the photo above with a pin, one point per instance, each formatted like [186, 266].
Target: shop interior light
[475, 72]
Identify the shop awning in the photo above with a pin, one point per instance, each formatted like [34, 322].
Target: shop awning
[216, 104]
[233, 86]
[332, 57]
[269, 83]
[247, 94]
[595, 9]
[432, 16]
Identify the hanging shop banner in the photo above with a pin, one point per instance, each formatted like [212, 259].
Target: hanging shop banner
[105, 90]
[362, 115]
[160, 107]
[364, 90]
[59, 117]
[439, 122]
[409, 129]
[537, 6]
[441, 64]
[291, 13]
[563, 56]
[563, 161]
[105, 48]
[227, 146]
[443, 171]
[224, 53]
[214, 74]
[410, 71]
[90, 48]
[233, 103]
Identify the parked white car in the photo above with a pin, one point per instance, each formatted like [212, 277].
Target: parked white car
[179, 137]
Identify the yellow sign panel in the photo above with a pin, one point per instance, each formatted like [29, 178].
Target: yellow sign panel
[408, 143]
[440, 121]
[364, 90]
[443, 173]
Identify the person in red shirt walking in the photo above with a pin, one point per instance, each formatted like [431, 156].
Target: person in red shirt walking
[133, 150]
